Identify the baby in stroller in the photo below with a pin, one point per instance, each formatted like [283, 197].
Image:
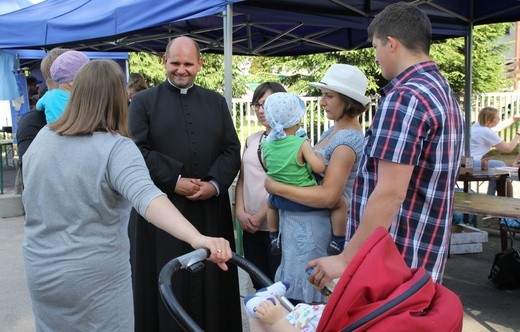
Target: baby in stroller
[377, 291]
[265, 306]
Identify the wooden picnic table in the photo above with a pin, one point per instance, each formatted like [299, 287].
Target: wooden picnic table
[490, 206]
[6, 145]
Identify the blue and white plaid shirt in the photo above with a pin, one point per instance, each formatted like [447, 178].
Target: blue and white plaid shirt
[418, 123]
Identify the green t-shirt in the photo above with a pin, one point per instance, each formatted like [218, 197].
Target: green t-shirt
[281, 158]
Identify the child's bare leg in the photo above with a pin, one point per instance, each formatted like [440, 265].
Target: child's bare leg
[273, 227]
[272, 218]
[338, 219]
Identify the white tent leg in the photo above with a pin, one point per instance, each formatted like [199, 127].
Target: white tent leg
[228, 55]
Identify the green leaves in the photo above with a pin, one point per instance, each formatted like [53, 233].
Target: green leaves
[147, 64]
[295, 72]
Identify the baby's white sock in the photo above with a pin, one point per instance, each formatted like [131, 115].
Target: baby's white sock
[278, 289]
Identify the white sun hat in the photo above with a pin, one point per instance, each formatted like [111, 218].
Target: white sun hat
[347, 80]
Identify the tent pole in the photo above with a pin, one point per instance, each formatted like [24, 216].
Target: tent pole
[468, 89]
[228, 55]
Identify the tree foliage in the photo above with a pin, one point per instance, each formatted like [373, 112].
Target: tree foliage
[295, 72]
[147, 64]
[212, 74]
[488, 61]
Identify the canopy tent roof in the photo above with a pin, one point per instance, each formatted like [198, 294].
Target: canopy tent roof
[67, 22]
[261, 27]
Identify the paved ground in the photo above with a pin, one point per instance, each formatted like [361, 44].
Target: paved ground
[486, 308]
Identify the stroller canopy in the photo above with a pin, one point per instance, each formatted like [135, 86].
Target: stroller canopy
[379, 292]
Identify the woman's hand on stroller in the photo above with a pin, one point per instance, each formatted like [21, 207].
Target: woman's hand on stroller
[219, 248]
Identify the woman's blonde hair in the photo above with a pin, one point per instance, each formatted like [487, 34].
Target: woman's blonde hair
[98, 102]
[486, 115]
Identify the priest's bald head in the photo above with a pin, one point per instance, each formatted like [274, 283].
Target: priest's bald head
[182, 61]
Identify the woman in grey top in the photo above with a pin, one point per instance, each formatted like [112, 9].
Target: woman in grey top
[82, 175]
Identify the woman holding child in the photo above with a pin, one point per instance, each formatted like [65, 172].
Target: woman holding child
[306, 235]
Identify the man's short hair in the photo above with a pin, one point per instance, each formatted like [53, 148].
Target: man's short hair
[405, 22]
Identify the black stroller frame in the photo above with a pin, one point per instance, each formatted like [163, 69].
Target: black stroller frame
[193, 262]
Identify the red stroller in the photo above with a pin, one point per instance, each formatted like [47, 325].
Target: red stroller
[376, 292]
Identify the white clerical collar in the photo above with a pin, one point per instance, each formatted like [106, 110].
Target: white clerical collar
[183, 90]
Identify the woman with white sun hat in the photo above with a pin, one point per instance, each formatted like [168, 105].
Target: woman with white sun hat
[306, 235]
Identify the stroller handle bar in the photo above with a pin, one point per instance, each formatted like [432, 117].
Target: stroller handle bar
[193, 262]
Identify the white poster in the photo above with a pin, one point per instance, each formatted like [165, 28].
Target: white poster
[19, 106]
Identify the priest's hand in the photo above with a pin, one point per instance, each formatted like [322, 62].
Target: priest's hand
[187, 186]
[206, 190]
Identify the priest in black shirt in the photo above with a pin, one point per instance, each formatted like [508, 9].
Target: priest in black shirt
[186, 135]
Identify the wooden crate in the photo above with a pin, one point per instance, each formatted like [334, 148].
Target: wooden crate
[466, 239]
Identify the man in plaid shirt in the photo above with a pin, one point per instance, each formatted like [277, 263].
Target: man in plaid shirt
[407, 174]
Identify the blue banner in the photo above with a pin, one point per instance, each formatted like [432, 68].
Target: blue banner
[19, 106]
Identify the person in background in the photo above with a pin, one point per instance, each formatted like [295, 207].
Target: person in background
[32, 91]
[190, 145]
[29, 126]
[136, 83]
[45, 66]
[408, 171]
[76, 247]
[32, 122]
[63, 70]
[484, 137]
[307, 235]
[136, 77]
[250, 194]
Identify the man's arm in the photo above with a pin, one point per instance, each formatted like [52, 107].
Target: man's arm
[383, 204]
[382, 207]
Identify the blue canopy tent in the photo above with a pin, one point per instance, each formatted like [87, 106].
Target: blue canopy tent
[58, 22]
[255, 27]
[262, 27]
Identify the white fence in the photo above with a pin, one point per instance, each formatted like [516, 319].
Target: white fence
[508, 103]
[315, 121]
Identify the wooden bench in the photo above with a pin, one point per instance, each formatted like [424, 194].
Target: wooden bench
[490, 206]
